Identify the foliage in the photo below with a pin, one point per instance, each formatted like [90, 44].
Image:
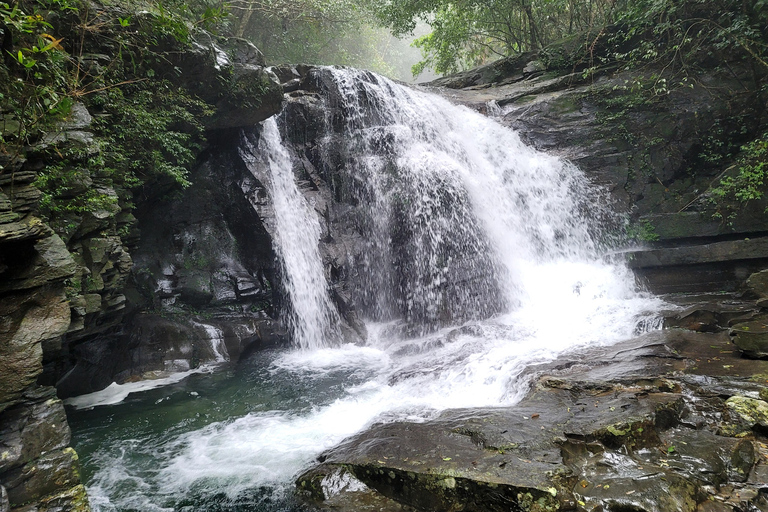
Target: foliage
[38, 71]
[634, 32]
[471, 32]
[66, 186]
[340, 32]
[153, 132]
[642, 231]
[749, 180]
[147, 131]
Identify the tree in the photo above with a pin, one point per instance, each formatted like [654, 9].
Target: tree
[467, 33]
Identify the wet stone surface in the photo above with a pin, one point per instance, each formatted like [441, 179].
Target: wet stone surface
[671, 420]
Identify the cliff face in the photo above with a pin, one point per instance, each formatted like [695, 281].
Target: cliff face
[36, 464]
[67, 274]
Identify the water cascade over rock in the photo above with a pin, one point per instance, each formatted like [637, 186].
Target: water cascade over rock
[437, 210]
[453, 256]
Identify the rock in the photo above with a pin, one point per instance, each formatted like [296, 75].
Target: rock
[481, 459]
[751, 248]
[757, 283]
[73, 499]
[78, 119]
[32, 428]
[751, 338]
[745, 414]
[714, 506]
[535, 66]
[29, 318]
[46, 262]
[5, 505]
[742, 461]
[233, 79]
[53, 472]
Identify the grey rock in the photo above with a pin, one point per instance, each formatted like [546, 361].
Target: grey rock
[751, 338]
[758, 284]
[49, 262]
[29, 318]
[32, 428]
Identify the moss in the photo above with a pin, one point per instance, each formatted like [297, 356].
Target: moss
[748, 410]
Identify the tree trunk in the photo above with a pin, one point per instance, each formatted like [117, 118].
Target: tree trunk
[242, 24]
[532, 30]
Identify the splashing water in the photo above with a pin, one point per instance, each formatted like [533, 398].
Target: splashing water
[463, 226]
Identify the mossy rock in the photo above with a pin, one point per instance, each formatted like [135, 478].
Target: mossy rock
[745, 414]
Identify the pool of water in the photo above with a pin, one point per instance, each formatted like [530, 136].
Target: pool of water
[237, 438]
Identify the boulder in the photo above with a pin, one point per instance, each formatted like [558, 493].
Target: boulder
[745, 414]
[751, 338]
[757, 283]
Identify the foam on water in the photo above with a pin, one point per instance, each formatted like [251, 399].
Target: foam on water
[116, 393]
[500, 241]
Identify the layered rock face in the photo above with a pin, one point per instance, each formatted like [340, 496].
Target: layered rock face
[68, 282]
[36, 464]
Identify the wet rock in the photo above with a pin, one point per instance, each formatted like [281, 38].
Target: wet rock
[638, 426]
[73, 499]
[54, 471]
[5, 505]
[751, 338]
[32, 428]
[232, 78]
[743, 458]
[480, 459]
[745, 414]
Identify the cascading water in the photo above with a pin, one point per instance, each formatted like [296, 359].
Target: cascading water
[453, 206]
[312, 317]
[462, 225]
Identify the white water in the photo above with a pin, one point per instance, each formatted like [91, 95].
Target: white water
[312, 316]
[479, 203]
[216, 338]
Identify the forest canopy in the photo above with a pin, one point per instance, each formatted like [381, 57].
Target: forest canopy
[452, 35]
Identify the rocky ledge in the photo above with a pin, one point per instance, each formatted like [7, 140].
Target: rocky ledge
[675, 419]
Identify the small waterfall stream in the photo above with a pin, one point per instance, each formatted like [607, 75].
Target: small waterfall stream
[490, 246]
[311, 315]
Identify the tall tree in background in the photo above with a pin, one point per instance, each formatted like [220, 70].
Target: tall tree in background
[467, 33]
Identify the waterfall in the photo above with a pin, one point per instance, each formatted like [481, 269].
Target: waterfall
[216, 337]
[486, 251]
[449, 208]
[312, 317]
[451, 205]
